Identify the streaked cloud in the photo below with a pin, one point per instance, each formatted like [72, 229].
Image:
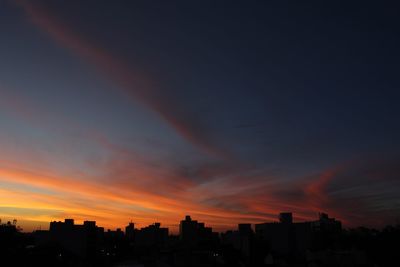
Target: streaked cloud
[134, 82]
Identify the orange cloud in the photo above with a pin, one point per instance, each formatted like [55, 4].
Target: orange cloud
[110, 205]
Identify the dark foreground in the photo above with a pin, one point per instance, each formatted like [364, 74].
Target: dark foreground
[317, 243]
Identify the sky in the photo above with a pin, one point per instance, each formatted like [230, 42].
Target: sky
[230, 111]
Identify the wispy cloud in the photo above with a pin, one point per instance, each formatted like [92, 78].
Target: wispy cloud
[133, 81]
[359, 192]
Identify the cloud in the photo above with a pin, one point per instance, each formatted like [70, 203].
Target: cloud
[129, 187]
[359, 192]
[133, 81]
[109, 204]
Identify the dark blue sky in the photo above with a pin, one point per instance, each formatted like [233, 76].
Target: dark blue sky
[231, 110]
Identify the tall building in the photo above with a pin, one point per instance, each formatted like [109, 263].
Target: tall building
[82, 240]
[192, 232]
[130, 231]
[327, 224]
[241, 239]
[152, 235]
[286, 217]
[286, 237]
[188, 230]
[279, 236]
[245, 228]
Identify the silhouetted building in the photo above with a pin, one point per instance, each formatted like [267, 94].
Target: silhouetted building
[152, 235]
[192, 232]
[326, 231]
[279, 236]
[327, 224]
[291, 238]
[130, 231]
[286, 217]
[81, 240]
[188, 230]
[245, 228]
[282, 243]
[241, 240]
[114, 235]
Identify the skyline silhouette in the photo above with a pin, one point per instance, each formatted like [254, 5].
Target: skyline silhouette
[284, 242]
[281, 218]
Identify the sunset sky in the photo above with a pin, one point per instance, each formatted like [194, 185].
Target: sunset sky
[225, 110]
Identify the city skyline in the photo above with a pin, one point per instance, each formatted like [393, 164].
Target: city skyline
[174, 228]
[228, 111]
[284, 242]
